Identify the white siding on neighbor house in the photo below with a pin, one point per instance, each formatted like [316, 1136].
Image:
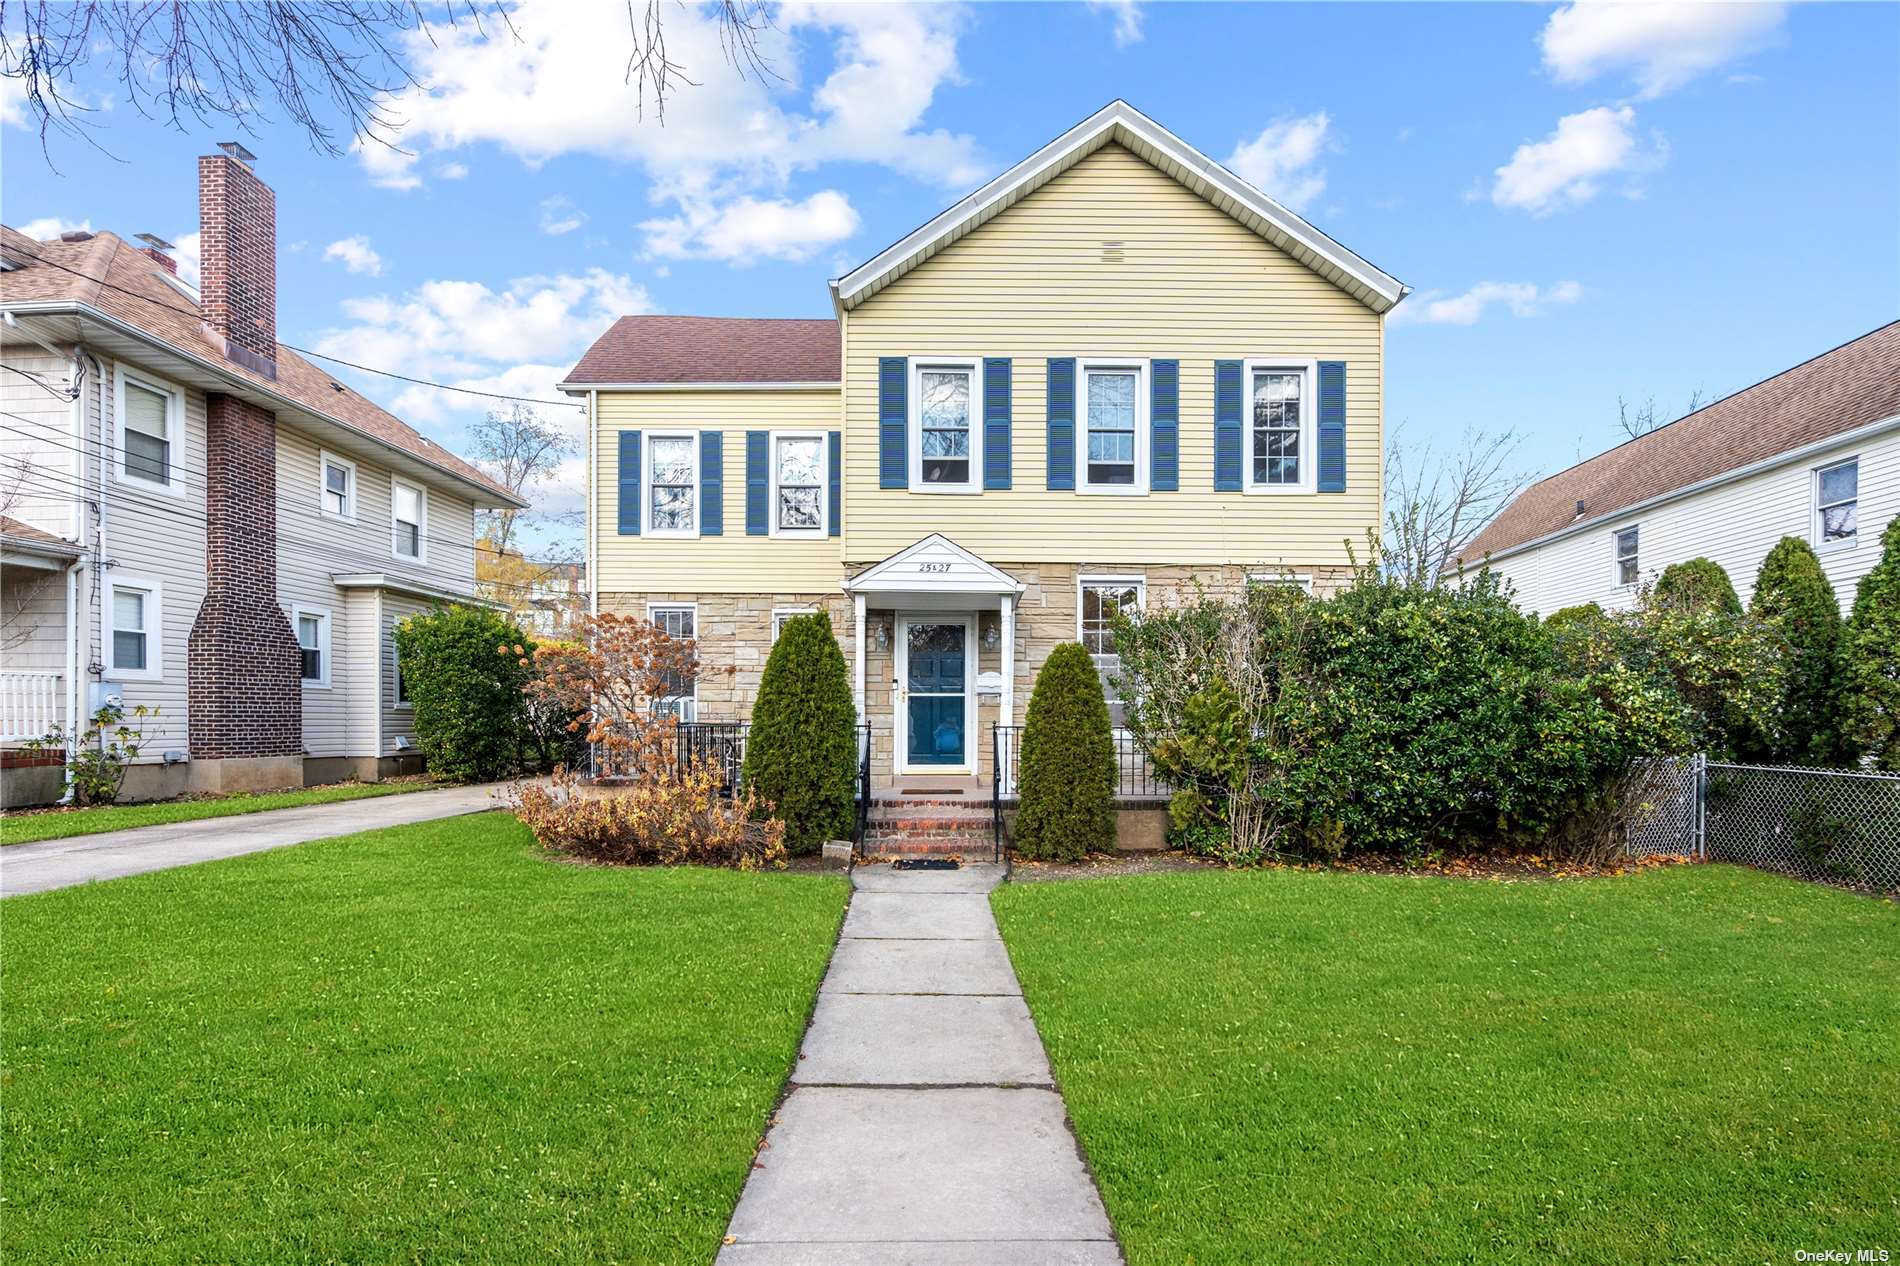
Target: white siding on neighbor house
[38, 465]
[362, 619]
[1736, 524]
[32, 620]
[313, 547]
[396, 718]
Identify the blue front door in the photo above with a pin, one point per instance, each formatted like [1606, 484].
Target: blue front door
[936, 687]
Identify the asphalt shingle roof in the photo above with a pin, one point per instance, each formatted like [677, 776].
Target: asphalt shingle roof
[675, 349]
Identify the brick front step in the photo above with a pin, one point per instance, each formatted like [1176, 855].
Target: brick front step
[966, 847]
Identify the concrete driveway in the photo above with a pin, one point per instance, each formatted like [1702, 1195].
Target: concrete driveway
[84, 859]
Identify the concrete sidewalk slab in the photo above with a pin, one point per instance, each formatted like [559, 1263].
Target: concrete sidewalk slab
[82, 859]
[973, 1165]
[896, 1040]
[990, 1253]
[881, 877]
[949, 967]
[963, 916]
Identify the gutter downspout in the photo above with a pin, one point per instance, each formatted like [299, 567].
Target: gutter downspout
[105, 457]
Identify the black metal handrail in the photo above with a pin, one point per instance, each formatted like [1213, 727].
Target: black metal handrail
[1135, 777]
[723, 744]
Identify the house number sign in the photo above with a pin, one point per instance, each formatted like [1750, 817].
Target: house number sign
[930, 568]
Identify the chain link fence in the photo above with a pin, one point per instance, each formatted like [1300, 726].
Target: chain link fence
[1826, 824]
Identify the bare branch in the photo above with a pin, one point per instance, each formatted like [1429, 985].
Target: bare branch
[1435, 508]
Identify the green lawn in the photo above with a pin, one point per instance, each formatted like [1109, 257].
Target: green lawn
[420, 1044]
[1698, 1064]
[24, 828]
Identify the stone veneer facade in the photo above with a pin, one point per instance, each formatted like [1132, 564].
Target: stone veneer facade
[735, 635]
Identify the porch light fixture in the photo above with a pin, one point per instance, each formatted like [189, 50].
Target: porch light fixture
[881, 633]
[992, 632]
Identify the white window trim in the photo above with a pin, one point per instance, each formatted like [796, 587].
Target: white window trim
[324, 625]
[1309, 425]
[824, 484]
[422, 528]
[914, 440]
[1084, 365]
[396, 702]
[782, 614]
[174, 429]
[326, 459]
[1817, 525]
[654, 608]
[154, 591]
[646, 489]
[1302, 579]
[1140, 584]
[1616, 559]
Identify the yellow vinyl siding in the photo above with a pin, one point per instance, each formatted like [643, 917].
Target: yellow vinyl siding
[1193, 285]
[730, 563]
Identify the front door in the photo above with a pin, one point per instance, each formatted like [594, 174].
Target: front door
[935, 687]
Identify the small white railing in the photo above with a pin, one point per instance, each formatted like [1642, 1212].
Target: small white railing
[29, 705]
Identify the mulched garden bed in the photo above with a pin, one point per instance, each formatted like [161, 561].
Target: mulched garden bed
[1498, 868]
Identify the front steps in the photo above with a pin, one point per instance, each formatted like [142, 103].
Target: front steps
[917, 827]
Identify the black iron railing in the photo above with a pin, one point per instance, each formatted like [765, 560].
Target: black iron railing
[1135, 777]
[722, 744]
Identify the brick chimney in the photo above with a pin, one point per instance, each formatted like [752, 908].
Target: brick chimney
[237, 224]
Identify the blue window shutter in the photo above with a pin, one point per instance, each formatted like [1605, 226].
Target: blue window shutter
[1164, 425]
[834, 459]
[630, 483]
[1227, 410]
[712, 483]
[893, 422]
[996, 422]
[1332, 426]
[758, 483]
[1061, 424]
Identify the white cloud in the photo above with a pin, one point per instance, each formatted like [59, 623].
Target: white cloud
[745, 229]
[1570, 165]
[188, 250]
[12, 101]
[387, 166]
[559, 215]
[1519, 298]
[1281, 160]
[522, 336]
[452, 171]
[49, 227]
[1661, 44]
[1127, 19]
[357, 255]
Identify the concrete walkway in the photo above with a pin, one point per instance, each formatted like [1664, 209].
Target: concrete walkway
[923, 1125]
[84, 859]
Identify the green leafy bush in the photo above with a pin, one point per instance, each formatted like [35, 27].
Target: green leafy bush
[1066, 771]
[1698, 584]
[102, 752]
[1808, 726]
[1873, 656]
[466, 668]
[801, 757]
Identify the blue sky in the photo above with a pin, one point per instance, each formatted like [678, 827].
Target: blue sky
[1591, 202]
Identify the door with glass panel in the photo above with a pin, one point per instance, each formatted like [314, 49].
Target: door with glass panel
[934, 686]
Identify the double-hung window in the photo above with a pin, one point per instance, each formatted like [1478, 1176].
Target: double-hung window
[1280, 426]
[409, 509]
[1098, 600]
[780, 616]
[150, 428]
[313, 645]
[672, 499]
[1837, 503]
[136, 609]
[1114, 415]
[338, 494]
[798, 484]
[678, 693]
[943, 426]
[1625, 543]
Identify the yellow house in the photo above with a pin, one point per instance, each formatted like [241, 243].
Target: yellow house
[1114, 371]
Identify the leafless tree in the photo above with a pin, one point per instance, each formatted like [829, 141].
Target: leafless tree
[1636, 421]
[520, 449]
[1435, 505]
[328, 65]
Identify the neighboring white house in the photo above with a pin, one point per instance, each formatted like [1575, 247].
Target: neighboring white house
[1813, 452]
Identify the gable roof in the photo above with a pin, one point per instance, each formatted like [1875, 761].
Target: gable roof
[1854, 386]
[680, 350]
[1121, 124]
[107, 276]
[36, 540]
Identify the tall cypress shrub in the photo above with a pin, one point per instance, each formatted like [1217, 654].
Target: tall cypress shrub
[466, 668]
[1873, 657]
[1699, 584]
[801, 753]
[1809, 723]
[1066, 770]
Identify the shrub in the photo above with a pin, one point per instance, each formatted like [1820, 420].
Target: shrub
[101, 754]
[674, 817]
[466, 668]
[1066, 770]
[1808, 726]
[801, 758]
[1699, 584]
[1873, 657]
